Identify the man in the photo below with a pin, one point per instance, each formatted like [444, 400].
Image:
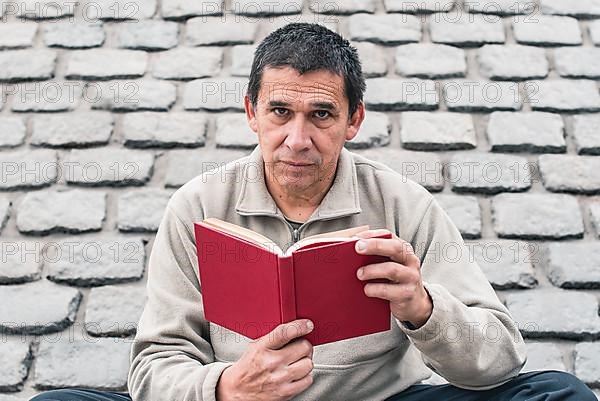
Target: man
[304, 101]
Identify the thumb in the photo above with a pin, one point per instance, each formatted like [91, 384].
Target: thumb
[286, 332]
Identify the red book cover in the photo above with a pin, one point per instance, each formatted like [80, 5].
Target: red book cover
[250, 286]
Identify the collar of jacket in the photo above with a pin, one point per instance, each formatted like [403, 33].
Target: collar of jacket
[340, 200]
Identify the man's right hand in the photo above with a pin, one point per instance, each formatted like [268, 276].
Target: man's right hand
[274, 367]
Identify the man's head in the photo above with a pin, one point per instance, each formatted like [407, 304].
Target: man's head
[304, 101]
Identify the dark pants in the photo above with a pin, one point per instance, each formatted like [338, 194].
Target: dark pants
[546, 385]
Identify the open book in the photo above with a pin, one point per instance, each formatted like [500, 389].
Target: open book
[249, 285]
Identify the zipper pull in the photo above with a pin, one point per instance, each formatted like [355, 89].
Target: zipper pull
[295, 235]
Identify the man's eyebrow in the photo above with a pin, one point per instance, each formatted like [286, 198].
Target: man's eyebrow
[317, 105]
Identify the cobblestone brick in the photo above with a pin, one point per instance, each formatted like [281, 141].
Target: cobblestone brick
[501, 7]
[4, 212]
[139, 95]
[573, 265]
[188, 63]
[122, 9]
[536, 216]
[543, 356]
[98, 64]
[585, 133]
[215, 94]
[232, 131]
[570, 173]
[437, 131]
[388, 94]
[31, 315]
[179, 9]
[413, 7]
[266, 7]
[512, 62]
[488, 173]
[94, 261]
[342, 7]
[374, 131]
[142, 211]
[543, 31]
[74, 35]
[577, 62]
[580, 9]
[587, 367]
[27, 65]
[594, 29]
[147, 129]
[462, 29]
[43, 9]
[574, 315]
[21, 260]
[464, 212]
[26, 168]
[481, 96]
[148, 35]
[114, 310]
[566, 96]
[202, 31]
[595, 217]
[372, 58]
[72, 130]
[241, 60]
[47, 96]
[15, 35]
[535, 132]
[12, 132]
[428, 60]
[73, 211]
[15, 360]
[108, 166]
[388, 29]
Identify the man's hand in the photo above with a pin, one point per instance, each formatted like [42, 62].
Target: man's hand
[274, 367]
[409, 301]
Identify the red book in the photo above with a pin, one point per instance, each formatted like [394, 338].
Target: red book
[250, 286]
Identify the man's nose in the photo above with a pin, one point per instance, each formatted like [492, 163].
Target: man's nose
[298, 134]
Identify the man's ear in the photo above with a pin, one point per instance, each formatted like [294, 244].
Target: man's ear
[250, 114]
[355, 121]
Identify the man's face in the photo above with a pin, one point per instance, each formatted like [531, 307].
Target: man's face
[302, 122]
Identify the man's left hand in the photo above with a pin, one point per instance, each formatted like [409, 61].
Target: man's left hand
[409, 300]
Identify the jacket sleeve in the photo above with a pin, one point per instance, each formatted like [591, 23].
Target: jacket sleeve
[171, 356]
[470, 338]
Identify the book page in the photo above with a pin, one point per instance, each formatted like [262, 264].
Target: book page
[331, 236]
[245, 233]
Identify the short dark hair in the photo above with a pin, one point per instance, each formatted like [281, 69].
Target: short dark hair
[309, 47]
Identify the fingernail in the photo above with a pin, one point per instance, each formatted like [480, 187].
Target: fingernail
[310, 325]
[360, 272]
[361, 245]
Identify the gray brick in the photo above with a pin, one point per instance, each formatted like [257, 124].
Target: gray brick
[26, 65]
[43, 9]
[98, 64]
[580, 9]
[481, 96]
[15, 35]
[512, 62]
[464, 212]
[43, 307]
[391, 94]
[140, 95]
[577, 62]
[47, 96]
[142, 211]
[414, 7]
[425, 169]
[488, 173]
[188, 63]
[148, 35]
[114, 310]
[595, 217]
[536, 216]
[266, 7]
[543, 356]
[573, 265]
[501, 7]
[202, 31]
[233, 131]
[563, 95]
[179, 9]
[388, 29]
[374, 131]
[535, 132]
[241, 60]
[183, 165]
[21, 261]
[12, 132]
[574, 315]
[437, 131]
[543, 31]
[372, 58]
[147, 129]
[85, 261]
[66, 363]
[215, 94]
[72, 211]
[15, 360]
[26, 168]
[587, 365]
[74, 35]
[585, 132]
[121, 9]
[72, 130]
[428, 60]
[570, 173]
[342, 7]
[594, 28]
[507, 264]
[4, 213]
[466, 30]
[108, 166]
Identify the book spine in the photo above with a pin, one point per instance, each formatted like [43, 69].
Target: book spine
[287, 288]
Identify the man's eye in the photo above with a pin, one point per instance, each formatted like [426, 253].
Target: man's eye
[319, 114]
[280, 111]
